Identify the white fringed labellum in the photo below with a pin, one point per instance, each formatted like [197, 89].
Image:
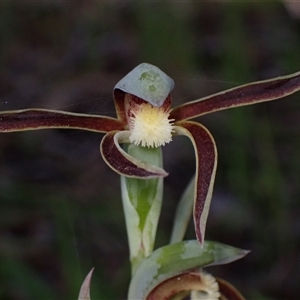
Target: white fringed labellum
[150, 126]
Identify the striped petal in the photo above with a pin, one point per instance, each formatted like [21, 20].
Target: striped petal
[33, 119]
[260, 91]
[206, 164]
[121, 162]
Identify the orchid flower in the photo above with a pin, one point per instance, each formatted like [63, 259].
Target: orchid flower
[145, 118]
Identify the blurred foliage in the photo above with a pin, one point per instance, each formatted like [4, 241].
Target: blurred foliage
[60, 206]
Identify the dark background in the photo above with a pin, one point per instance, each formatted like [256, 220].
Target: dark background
[60, 206]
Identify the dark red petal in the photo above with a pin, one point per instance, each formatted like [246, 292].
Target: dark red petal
[33, 119]
[123, 163]
[206, 164]
[251, 93]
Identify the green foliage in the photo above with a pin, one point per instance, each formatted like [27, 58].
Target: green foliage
[174, 259]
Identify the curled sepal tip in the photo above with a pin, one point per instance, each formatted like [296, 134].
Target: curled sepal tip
[123, 163]
[148, 83]
[84, 293]
[206, 165]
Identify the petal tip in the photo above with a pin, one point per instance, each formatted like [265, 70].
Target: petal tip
[84, 293]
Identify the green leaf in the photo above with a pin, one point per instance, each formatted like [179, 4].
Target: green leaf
[177, 258]
[142, 200]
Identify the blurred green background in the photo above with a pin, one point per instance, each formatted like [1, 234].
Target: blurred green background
[60, 206]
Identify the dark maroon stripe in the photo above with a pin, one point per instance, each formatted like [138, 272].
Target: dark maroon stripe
[243, 95]
[43, 119]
